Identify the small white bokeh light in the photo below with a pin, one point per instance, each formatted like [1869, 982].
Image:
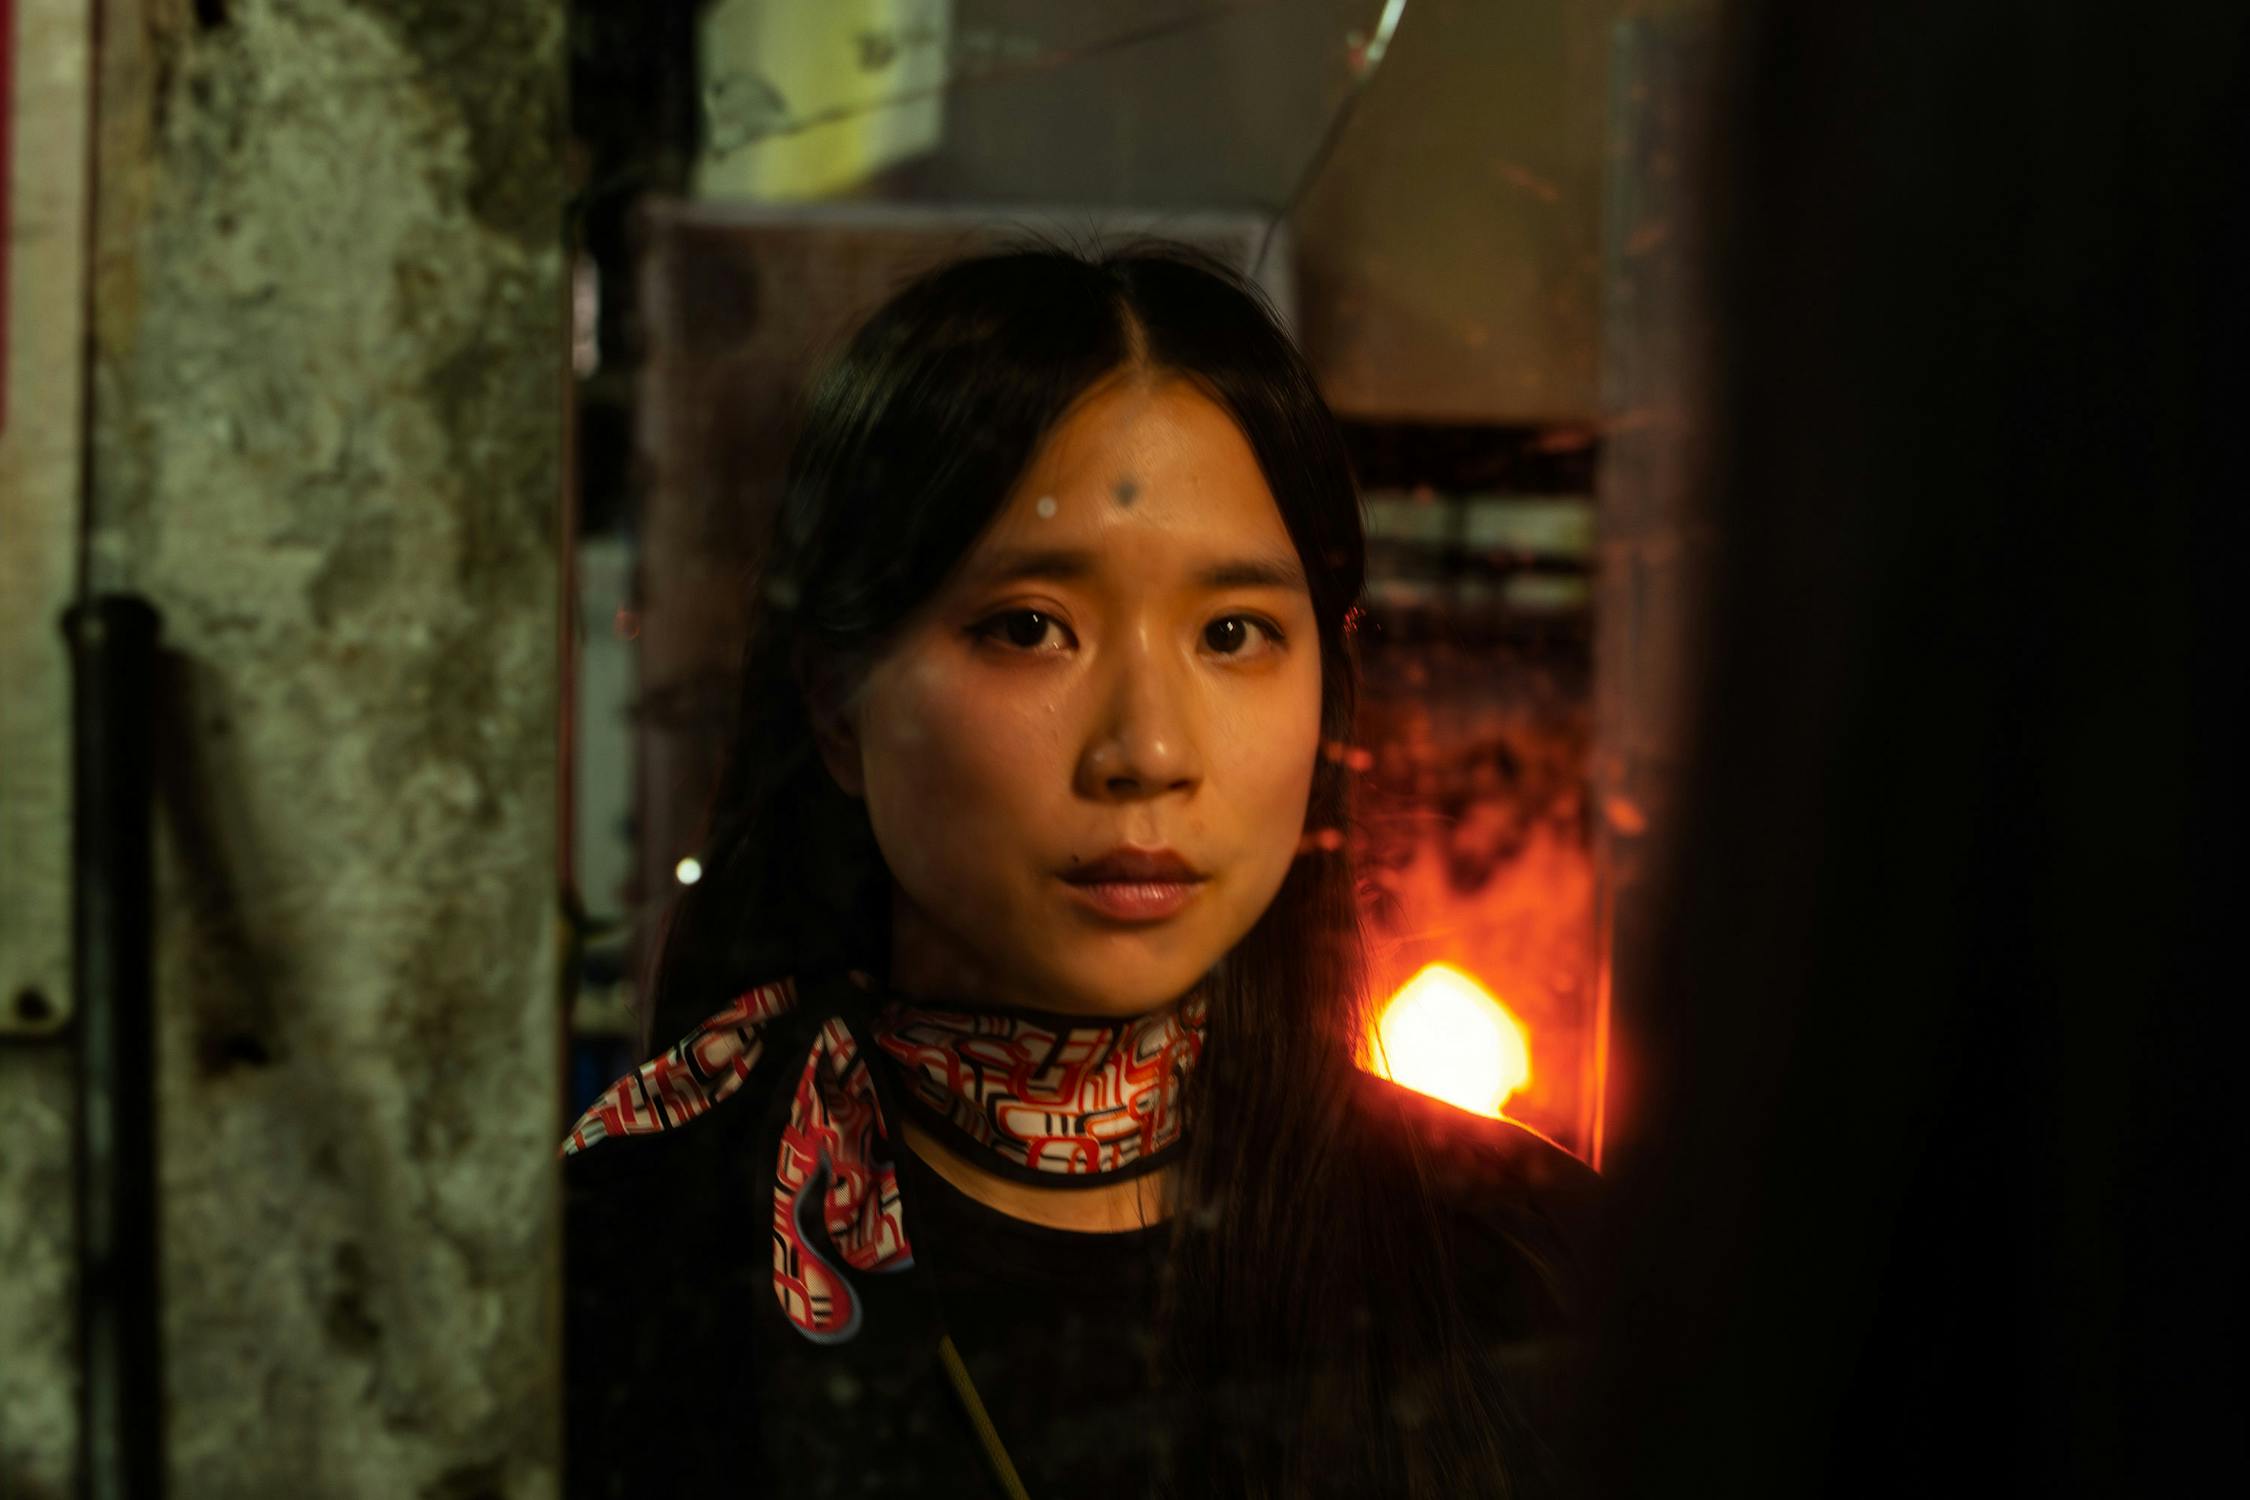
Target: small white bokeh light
[688, 871]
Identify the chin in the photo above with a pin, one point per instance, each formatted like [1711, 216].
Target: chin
[1118, 991]
[1111, 971]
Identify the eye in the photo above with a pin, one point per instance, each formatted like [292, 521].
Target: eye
[1241, 635]
[1023, 630]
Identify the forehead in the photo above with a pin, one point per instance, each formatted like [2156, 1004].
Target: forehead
[1140, 466]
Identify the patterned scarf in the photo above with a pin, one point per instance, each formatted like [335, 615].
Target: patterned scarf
[1057, 1101]
[1062, 1101]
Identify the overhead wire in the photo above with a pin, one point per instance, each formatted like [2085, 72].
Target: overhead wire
[1371, 59]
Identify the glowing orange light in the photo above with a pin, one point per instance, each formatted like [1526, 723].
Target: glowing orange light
[1443, 1034]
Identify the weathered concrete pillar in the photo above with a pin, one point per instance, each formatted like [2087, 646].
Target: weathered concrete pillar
[326, 436]
[42, 183]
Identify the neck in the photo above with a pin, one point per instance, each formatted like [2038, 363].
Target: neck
[1132, 1204]
[1056, 1120]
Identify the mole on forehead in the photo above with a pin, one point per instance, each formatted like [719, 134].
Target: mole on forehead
[1126, 489]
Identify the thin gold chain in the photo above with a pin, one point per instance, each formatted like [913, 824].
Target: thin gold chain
[995, 1451]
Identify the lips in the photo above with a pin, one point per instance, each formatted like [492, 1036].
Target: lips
[1135, 885]
[1129, 864]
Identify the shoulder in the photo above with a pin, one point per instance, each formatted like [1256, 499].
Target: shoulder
[707, 1068]
[665, 1234]
[662, 1209]
[653, 1142]
[1500, 1190]
[1475, 1152]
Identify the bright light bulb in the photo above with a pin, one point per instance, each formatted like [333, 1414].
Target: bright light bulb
[1443, 1034]
[688, 871]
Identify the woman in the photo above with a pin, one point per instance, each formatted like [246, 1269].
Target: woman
[1023, 1149]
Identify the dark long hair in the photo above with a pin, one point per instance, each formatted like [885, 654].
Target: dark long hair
[1295, 1315]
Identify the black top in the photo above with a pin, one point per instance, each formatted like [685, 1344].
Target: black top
[1056, 1329]
[684, 1376]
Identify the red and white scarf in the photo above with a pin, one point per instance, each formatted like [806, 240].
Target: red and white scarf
[1063, 1101]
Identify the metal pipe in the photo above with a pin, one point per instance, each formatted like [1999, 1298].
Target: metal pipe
[112, 642]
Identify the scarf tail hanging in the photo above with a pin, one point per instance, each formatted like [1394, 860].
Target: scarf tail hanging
[831, 1156]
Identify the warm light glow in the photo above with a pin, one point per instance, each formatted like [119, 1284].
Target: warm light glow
[1443, 1034]
[688, 871]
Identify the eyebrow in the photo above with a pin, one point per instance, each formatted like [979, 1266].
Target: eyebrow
[1266, 570]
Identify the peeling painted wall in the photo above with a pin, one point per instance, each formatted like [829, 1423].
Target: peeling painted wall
[326, 437]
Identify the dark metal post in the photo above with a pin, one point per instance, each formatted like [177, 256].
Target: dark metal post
[113, 690]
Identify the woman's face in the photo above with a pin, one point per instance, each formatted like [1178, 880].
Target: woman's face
[1124, 668]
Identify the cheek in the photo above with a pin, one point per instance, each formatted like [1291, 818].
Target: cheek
[952, 771]
[1269, 758]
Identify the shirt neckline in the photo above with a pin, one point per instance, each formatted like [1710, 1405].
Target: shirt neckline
[930, 1197]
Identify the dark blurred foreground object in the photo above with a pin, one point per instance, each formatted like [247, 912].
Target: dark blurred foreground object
[1929, 1189]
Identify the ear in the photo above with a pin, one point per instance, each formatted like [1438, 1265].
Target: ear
[835, 730]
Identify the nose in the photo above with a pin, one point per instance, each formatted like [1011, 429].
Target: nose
[1144, 741]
